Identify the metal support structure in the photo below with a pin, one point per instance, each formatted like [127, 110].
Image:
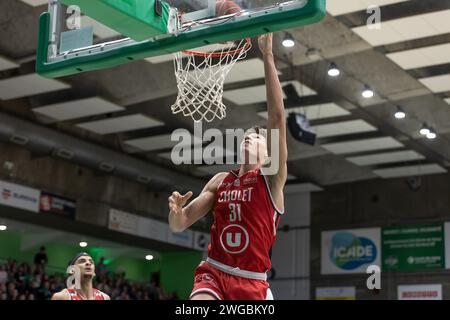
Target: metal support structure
[208, 31]
[54, 9]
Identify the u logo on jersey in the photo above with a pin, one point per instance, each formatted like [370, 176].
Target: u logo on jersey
[234, 239]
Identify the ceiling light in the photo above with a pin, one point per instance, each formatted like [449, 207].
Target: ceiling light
[431, 135]
[367, 92]
[83, 244]
[3, 227]
[333, 70]
[399, 114]
[288, 41]
[424, 130]
[149, 257]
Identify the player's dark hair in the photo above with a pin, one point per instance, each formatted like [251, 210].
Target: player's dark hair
[81, 254]
[258, 130]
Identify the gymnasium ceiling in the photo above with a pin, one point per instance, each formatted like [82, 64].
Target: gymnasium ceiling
[126, 108]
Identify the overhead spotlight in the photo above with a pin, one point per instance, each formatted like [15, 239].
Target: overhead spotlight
[149, 257]
[64, 153]
[288, 41]
[333, 70]
[107, 167]
[3, 227]
[367, 92]
[144, 179]
[431, 135]
[399, 114]
[424, 130]
[83, 244]
[18, 139]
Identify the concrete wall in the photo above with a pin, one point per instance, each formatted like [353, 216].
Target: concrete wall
[94, 191]
[290, 255]
[379, 203]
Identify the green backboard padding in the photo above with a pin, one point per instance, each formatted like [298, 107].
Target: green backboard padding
[313, 12]
[133, 18]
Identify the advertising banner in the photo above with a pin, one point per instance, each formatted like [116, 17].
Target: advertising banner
[123, 221]
[156, 230]
[336, 293]
[51, 203]
[414, 247]
[201, 240]
[153, 229]
[18, 196]
[420, 292]
[350, 251]
[184, 239]
[447, 246]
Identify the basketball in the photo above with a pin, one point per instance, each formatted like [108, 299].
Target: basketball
[225, 7]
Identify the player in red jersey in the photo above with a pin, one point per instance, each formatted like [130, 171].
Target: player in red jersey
[84, 263]
[246, 205]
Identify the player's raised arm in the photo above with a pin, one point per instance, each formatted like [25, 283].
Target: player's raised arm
[275, 109]
[181, 217]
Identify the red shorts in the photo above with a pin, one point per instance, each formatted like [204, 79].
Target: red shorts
[224, 286]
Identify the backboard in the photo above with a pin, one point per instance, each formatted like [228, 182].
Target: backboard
[82, 35]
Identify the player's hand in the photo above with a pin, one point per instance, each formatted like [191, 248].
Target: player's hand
[265, 43]
[177, 201]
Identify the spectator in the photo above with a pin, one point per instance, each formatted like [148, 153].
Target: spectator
[43, 292]
[173, 296]
[100, 269]
[36, 282]
[11, 288]
[3, 275]
[14, 294]
[31, 282]
[124, 296]
[152, 291]
[59, 283]
[19, 275]
[103, 286]
[41, 258]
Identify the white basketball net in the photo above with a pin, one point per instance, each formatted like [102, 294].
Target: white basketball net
[200, 79]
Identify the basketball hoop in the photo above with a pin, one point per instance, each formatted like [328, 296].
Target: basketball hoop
[200, 79]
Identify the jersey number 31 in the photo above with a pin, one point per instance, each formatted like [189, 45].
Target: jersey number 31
[235, 212]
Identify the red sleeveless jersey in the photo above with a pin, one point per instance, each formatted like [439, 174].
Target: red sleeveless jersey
[245, 222]
[75, 296]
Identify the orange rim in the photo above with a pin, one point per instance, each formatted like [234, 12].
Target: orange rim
[246, 46]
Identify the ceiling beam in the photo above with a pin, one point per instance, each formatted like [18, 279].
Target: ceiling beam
[414, 44]
[399, 164]
[395, 11]
[331, 120]
[351, 137]
[374, 152]
[430, 71]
